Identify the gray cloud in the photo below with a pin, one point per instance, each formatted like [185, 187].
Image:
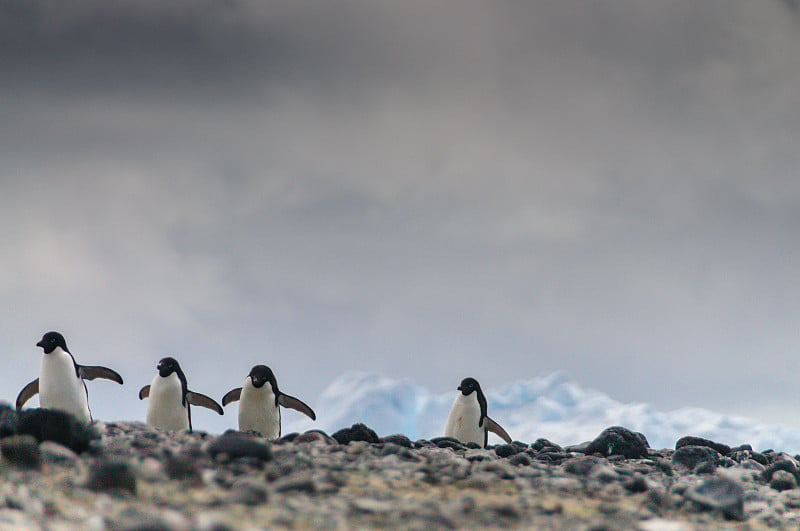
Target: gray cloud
[429, 190]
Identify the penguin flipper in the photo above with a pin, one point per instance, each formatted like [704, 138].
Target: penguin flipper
[198, 399]
[296, 404]
[232, 396]
[497, 429]
[90, 372]
[27, 392]
[144, 392]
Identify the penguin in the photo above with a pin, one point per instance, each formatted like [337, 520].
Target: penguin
[468, 421]
[259, 409]
[170, 398]
[60, 384]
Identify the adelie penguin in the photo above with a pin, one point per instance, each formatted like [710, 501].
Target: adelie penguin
[468, 421]
[170, 398]
[60, 384]
[259, 403]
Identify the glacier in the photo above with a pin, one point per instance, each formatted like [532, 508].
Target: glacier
[553, 406]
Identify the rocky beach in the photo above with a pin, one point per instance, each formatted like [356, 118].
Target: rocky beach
[60, 474]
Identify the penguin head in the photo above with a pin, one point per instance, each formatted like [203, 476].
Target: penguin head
[167, 366]
[50, 341]
[261, 374]
[468, 385]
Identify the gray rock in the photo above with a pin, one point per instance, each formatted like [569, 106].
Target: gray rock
[236, 445]
[582, 465]
[719, 493]
[783, 480]
[22, 451]
[619, 440]
[722, 449]
[302, 482]
[691, 456]
[112, 475]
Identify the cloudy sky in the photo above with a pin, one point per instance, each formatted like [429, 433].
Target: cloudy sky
[426, 189]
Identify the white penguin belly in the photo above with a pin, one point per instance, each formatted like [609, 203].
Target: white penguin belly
[462, 424]
[258, 412]
[165, 407]
[60, 388]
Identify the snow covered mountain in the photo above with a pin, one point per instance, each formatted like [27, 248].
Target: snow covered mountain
[552, 406]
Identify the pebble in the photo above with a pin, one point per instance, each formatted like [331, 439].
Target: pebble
[619, 440]
[134, 477]
[22, 451]
[112, 475]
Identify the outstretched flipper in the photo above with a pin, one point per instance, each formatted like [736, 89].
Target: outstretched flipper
[198, 399]
[27, 393]
[297, 404]
[144, 392]
[232, 396]
[497, 429]
[90, 372]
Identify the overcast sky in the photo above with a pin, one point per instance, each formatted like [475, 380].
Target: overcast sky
[430, 190]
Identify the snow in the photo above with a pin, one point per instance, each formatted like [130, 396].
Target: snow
[553, 406]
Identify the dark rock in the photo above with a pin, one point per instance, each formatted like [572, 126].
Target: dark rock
[237, 445]
[8, 420]
[783, 480]
[719, 493]
[398, 439]
[57, 426]
[636, 484]
[507, 450]
[112, 475]
[248, 493]
[356, 432]
[449, 442]
[742, 448]
[787, 465]
[312, 436]
[579, 448]
[423, 443]
[691, 456]
[181, 467]
[723, 449]
[705, 467]
[581, 466]
[22, 451]
[540, 444]
[302, 482]
[619, 440]
[289, 437]
[521, 459]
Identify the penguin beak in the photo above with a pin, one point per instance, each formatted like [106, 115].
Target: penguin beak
[459, 388]
[160, 366]
[40, 344]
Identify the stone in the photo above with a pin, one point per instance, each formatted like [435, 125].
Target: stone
[619, 440]
[691, 456]
[722, 449]
[356, 432]
[55, 453]
[113, 475]
[787, 465]
[181, 467]
[719, 493]
[507, 450]
[582, 465]
[449, 442]
[314, 436]
[57, 426]
[542, 444]
[373, 506]
[636, 484]
[398, 439]
[9, 420]
[302, 482]
[237, 445]
[22, 451]
[783, 480]
[248, 493]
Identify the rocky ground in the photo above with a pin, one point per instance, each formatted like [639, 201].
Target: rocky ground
[59, 474]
